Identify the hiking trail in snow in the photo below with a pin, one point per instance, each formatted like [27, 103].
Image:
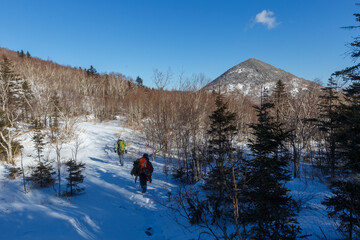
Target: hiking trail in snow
[111, 207]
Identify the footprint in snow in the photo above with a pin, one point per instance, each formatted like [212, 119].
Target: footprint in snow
[149, 231]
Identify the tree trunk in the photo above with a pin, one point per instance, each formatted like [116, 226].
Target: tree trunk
[23, 173]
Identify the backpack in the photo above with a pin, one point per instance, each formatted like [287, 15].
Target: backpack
[142, 165]
[135, 171]
[149, 170]
[120, 146]
[146, 167]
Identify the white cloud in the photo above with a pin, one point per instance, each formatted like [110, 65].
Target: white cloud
[267, 18]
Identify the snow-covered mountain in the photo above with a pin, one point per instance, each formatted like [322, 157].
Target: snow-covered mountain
[251, 76]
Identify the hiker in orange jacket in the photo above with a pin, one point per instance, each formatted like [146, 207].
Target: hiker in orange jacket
[143, 168]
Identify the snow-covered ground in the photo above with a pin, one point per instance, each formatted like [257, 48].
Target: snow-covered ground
[112, 206]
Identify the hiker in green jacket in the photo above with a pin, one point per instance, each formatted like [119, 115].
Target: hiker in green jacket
[121, 149]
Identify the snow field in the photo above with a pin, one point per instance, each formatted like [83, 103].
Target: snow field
[111, 206]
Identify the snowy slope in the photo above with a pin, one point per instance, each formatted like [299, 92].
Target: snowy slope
[112, 206]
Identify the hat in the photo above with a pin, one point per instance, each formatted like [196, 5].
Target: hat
[146, 155]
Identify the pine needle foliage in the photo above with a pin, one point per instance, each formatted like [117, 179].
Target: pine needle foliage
[38, 140]
[42, 174]
[222, 131]
[75, 176]
[328, 123]
[218, 207]
[344, 206]
[269, 210]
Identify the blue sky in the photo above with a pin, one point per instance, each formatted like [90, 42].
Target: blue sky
[134, 37]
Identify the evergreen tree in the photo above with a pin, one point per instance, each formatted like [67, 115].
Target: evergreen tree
[221, 133]
[3, 127]
[11, 87]
[139, 81]
[328, 123]
[28, 54]
[11, 100]
[21, 53]
[345, 202]
[348, 113]
[221, 182]
[42, 174]
[349, 127]
[14, 172]
[269, 210]
[75, 176]
[280, 98]
[345, 206]
[92, 71]
[38, 139]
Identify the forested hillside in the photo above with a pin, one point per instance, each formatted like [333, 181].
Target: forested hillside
[54, 90]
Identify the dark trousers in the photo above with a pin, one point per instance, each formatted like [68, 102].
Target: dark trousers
[143, 181]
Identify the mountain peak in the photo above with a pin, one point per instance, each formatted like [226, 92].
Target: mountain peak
[251, 75]
[252, 60]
